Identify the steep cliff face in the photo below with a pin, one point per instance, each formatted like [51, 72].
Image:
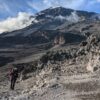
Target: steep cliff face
[94, 62]
[94, 55]
[91, 48]
[59, 40]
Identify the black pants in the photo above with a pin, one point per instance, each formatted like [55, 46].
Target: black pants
[12, 84]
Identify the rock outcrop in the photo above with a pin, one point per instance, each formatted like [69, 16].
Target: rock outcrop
[59, 40]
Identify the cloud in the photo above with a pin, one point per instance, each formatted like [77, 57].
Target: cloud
[37, 5]
[98, 0]
[12, 7]
[71, 18]
[65, 3]
[22, 20]
[89, 5]
[73, 4]
[52, 3]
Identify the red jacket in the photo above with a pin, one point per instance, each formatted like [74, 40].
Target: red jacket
[10, 73]
[13, 74]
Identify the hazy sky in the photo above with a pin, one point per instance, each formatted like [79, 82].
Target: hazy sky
[9, 8]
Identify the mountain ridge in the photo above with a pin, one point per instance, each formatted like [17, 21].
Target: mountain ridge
[61, 11]
[50, 32]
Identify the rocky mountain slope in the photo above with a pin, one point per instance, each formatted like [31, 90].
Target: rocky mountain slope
[49, 23]
[58, 57]
[63, 72]
[53, 26]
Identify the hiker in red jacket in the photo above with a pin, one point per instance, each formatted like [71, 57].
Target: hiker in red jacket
[13, 77]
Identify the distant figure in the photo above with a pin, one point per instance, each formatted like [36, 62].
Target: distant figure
[13, 77]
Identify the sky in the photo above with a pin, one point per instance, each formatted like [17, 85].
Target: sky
[15, 11]
[10, 8]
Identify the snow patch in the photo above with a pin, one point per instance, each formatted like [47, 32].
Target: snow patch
[61, 17]
[73, 17]
[56, 6]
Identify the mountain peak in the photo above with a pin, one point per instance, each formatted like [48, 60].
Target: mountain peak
[58, 7]
[55, 11]
[62, 13]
